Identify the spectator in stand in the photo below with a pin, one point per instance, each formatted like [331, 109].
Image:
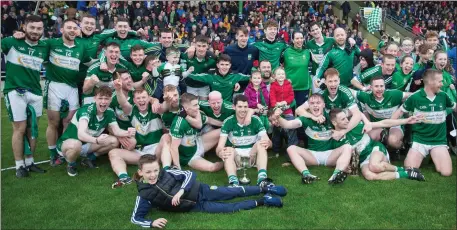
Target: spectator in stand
[346, 9]
[218, 46]
[364, 45]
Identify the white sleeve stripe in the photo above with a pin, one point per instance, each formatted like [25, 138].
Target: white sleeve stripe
[188, 175]
[145, 224]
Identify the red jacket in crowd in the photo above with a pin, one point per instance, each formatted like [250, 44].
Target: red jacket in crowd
[280, 93]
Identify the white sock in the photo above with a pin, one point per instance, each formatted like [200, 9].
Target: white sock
[19, 164]
[28, 161]
[397, 175]
[52, 147]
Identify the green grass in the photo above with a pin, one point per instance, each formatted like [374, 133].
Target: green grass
[56, 201]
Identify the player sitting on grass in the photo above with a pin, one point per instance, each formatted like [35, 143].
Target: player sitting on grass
[179, 191]
[149, 135]
[188, 146]
[83, 135]
[374, 157]
[243, 141]
[320, 149]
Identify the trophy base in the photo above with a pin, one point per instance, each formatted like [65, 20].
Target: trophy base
[245, 181]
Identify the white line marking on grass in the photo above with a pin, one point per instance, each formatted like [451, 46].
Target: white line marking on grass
[37, 163]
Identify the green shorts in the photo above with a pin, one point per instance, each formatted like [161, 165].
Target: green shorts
[374, 146]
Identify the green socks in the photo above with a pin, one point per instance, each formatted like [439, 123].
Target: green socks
[401, 174]
[123, 175]
[166, 167]
[305, 172]
[336, 171]
[399, 169]
[91, 156]
[262, 174]
[52, 151]
[233, 180]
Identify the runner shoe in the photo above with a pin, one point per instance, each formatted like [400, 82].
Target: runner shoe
[309, 178]
[338, 178]
[272, 201]
[415, 174]
[265, 183]
[34, 168]
[72, 171]
[121, 182]
[89, 163]
[22, 172]
[277, 190]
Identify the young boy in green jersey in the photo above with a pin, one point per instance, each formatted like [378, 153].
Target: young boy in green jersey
[84, 135]
[429, 137]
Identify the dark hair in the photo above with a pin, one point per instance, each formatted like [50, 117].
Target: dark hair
[115, 44]
[87, 16]
[122, 19]
[165, 30]
[147, 159]
[264, 60]
[334, 112]
[187, 98]
[423, 49]
[69, 20]
[316, 95]
[171, 50]
[242, 29]
[270, 23]
[103, 91]
[376, 78]
[418, 38]
[150, 58]
[139, 90]
[240, 97]
[202, 39]
[296, 32]
[314, 24]
[224, 57]
[119, 71]
[387, 56]
[136, 48]
[33, 18]
[403, 59]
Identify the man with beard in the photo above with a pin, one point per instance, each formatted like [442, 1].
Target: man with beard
[84, 137]
[271, 48]
[320, 150]
[238, 140]
[335, 96]
[125, 42]
[202, 61]
[265, 71]
[380, 105]
[61, 89]
[22, 88]
[386, 70]
[149, 134]
[96, 77]
[341, 57]
[188, 146]
[223, 81]
[243, 55]
[429, 137]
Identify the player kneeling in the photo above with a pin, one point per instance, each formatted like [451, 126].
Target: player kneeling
[149, 135]
[83, 135]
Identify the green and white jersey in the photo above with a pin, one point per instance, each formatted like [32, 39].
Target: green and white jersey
[148, 126]
[318, 51]
[105, 77]
[223, 84]
[319, 135]
[343, 99]
[181, 129]
[375, 71]
[380, 110]
[342, 60]
[64, 61]
[135, 71]
[400, 80]
[96, 124]
[150, 48]
[122, 118]
[240, 136]
[432, 130]
[23, 64]
[271, 51]
[226, 110]
[168, 118]
[200, 66]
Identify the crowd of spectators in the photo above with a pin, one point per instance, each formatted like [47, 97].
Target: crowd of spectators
[215, 19]
[423, 16]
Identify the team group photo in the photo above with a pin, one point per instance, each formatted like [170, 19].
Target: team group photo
[228, 114]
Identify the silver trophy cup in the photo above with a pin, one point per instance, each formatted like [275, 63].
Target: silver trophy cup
[245, 164]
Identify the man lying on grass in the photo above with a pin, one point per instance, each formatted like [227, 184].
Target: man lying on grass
[374, 157]
[179, 191]
[84, 133]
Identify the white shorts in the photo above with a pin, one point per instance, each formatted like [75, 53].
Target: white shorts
[84, 149]
[55, 92]
[16, 105]
[321, 156]
[244, 153]
[367, 160]
[199, 92]
[200, 153]
[88, 100]
[148, 149]
[425, 149]
[207, 128]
